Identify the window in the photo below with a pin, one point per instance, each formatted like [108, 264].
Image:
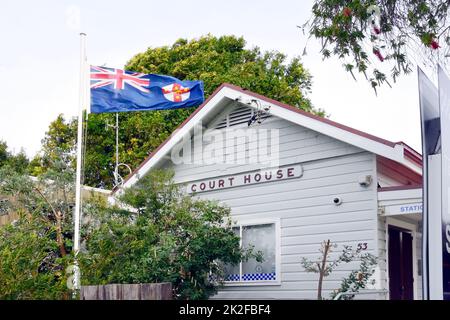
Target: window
[263, 237]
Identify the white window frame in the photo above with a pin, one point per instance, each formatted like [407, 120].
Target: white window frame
[255, 222]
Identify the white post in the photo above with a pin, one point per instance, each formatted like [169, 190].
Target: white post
[435, 280]
[77, 212]
[116, 170]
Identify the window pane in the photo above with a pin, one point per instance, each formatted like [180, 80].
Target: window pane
[232, 272]
[262, 238]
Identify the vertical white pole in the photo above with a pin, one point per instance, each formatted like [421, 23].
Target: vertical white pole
[435, 282]
[116, 170]
[82, 101]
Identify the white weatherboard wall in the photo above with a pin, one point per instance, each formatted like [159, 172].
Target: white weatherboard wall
[304, 206]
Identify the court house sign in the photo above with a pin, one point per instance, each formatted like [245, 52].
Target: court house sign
[248, 178]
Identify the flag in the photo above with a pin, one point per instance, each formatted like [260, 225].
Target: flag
[115, 90]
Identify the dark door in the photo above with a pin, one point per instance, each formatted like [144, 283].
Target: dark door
[400, 264]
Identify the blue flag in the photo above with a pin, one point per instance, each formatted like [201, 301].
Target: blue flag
[115, 90]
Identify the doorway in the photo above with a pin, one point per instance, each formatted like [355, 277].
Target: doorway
[400, 258]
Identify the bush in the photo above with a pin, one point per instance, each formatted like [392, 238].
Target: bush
[162, 236]
[33, 249]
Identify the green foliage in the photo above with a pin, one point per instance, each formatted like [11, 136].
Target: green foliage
[225, 59]
[33, 249]
[346, 256]
[29, 267]
[4, 154]
[211, 59]
[164, 236]
[59, 139]
[408, 31]
[18, 162]
[59, 144]
[139, 134]
[324, 266]
[358, 279]
[161, 236]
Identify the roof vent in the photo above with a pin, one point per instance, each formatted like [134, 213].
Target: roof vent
[240, 115]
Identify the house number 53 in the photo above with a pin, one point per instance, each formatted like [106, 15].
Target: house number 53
[362, 246]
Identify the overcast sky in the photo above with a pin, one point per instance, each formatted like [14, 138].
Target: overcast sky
[39, 58]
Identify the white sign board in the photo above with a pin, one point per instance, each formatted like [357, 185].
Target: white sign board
[408, 208]
[444, 103]
[248, 178]
[430, 124]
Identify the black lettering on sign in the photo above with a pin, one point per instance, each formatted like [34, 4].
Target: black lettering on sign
[290, 172]
[279, 174]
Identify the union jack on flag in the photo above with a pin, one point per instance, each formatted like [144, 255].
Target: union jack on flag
[116, 90]
[101, 77]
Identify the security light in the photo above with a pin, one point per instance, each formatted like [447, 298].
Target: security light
[365, 181]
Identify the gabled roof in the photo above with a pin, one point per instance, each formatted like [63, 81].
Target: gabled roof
[399, 152]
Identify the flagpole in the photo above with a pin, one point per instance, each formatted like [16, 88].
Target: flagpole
[77, 212]
[116, 170]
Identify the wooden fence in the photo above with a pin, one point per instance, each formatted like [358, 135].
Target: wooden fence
[142, 291]
[8, 218]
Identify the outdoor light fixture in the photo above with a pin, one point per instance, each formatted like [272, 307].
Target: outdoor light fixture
[365, 181]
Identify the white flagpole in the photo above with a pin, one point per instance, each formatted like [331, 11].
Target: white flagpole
[82, 101]
[116, 169]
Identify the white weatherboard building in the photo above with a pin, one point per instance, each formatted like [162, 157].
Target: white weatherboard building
[327, 181]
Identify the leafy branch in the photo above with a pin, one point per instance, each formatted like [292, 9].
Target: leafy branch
[324, 267]
[382, 39]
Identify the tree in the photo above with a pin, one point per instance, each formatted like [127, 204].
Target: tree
[4, 154]
[35, 249]
[18, 162]
[358, 279]
[59, 144]
[381, 38]
[210, 59]
[28, 267]
[162, 236]
[324, 266]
